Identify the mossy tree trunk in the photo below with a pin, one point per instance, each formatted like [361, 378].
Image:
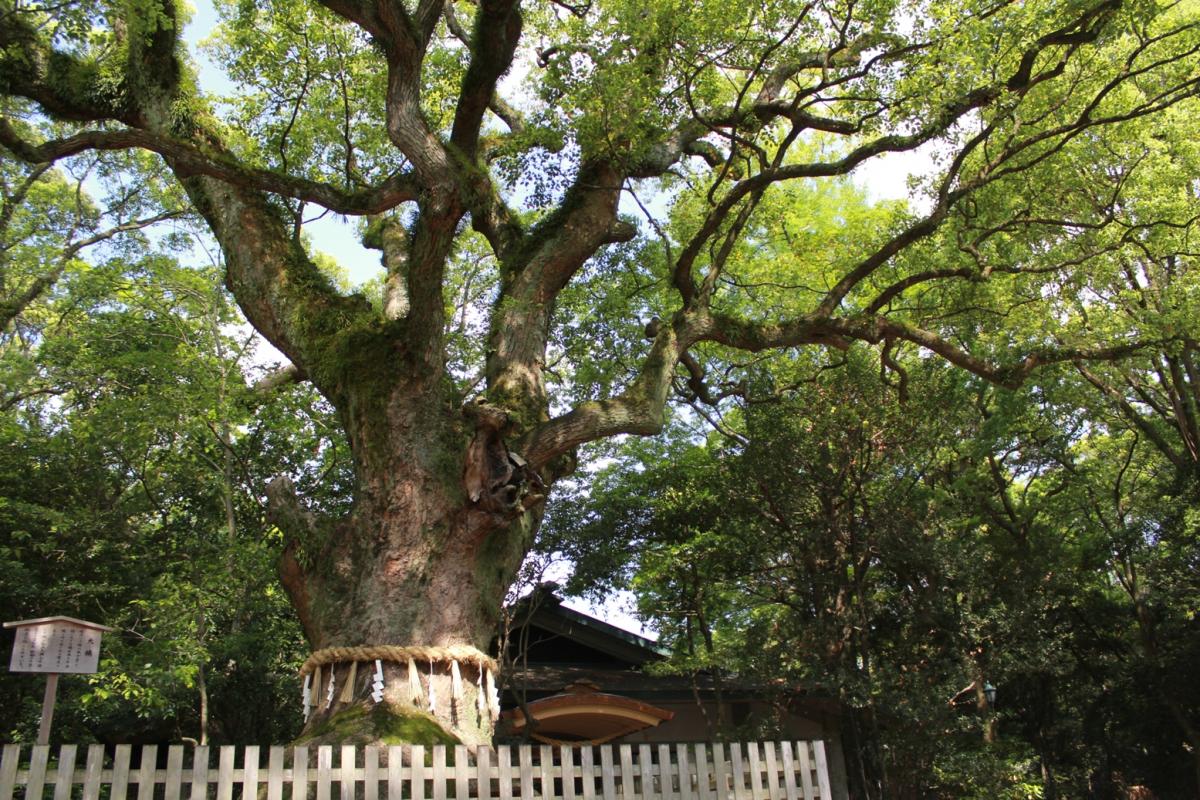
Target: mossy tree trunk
[419, 562]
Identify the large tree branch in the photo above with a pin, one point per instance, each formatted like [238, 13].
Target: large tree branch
[684, 280]
[638, 410]
[431, 244]
[193, 160]
[66, 87]
[536, 270]
[872, 329]
[490, 215]
[404, 39]
[284, 376]
[281, 291]
[498, 106]
[684, 140]
[283, 294]
[492, 45]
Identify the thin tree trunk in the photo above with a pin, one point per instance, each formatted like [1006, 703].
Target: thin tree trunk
[201, 683]
[984, 708]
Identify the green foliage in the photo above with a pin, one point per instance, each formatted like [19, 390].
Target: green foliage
[309, 87]
[130, 485]
[852, 546]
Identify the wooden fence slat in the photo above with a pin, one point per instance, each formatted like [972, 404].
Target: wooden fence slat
[417, 772]
[8, 770]
[646, 770]
[664, 777]
[525, 760]
[250, 772]
[172, 778]
[805, 769]
[439, 772]
[92, 774]
[346, 776]
[627, 778]
[64, 775]
[299, 773]
[703, 788]
[607, 775]
[721, 771]
[772, 767]
[462, 773]
[566, 760]
[224, 772]
[146, 772]
[371, 772]
[483, 773]
[667, 773]
[199, 772]
[587, 767]
[38, 759]
[395, 766]
[737, 769]
[275, 773]
[789, 770]
[546, 770]
[504, 771]
[324, 770]
[120, 774]
[822, 769]
[684, 767]
[755, 767]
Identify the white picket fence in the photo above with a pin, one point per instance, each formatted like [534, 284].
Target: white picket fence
[749, 771]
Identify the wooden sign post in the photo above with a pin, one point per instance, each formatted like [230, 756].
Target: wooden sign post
[55, 645]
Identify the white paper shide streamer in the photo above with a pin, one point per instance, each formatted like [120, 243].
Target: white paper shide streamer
[456, 684]
[377, 684]
[329, 694]
[307, 698]
[432, 693]
[493, 695]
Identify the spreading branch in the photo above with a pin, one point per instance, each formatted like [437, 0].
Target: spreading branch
[192, 160]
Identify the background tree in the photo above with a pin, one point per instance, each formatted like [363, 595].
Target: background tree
[130, 479]
[717, 108]
[901, 562]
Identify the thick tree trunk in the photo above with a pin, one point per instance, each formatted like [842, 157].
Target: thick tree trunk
[444, 515]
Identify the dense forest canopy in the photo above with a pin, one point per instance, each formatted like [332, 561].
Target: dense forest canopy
[584, 212]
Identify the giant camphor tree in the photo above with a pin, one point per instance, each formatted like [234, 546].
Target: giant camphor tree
[508, 191]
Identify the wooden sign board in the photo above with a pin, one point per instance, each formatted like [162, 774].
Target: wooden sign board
[56, 644]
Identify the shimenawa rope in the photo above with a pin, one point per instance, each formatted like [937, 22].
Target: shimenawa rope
[464, 654]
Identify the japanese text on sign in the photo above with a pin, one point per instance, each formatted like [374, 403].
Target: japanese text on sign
[56, 647]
